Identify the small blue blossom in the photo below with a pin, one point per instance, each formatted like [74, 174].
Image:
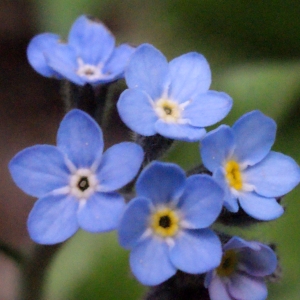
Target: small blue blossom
[165, 226]
[241, 272]
[75, 182]
[89, 56]
[171, 99]
[251, 175]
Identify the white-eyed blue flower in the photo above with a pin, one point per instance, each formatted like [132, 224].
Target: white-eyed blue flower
[76, 184]
[251, 175]
[165, 226]
[89, 56]
[241, 272]
[171, 99]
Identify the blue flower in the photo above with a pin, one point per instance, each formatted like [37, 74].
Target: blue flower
[171, 99]
[166, 224]
[241, 272]
[251, 175]
[89, 56]
[75, 183]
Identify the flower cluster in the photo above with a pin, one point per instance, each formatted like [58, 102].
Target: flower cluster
[167, 221]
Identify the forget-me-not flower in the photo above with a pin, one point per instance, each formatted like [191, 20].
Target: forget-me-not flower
[75, 182]
[89, 56]
[251, 175]
[165, 226]
[241, 272]
[171, 99]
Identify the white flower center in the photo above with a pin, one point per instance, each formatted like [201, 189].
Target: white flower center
[169, 110]
[83, 183]
[90, 72]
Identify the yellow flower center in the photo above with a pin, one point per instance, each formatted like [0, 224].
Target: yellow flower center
[233, 175]
[167, 110]
[228, 263]
[165, 222]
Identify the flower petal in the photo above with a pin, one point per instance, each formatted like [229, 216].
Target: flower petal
[217, 289]
[36, 53]
[63, 59]
[150, 263]
[119, 60]
[101, 212]
[254, 135]
[216, 147]
[80, 138]
[257, 262]
[207, 109]
[201, 202]
[92, 41]
[247, 287]
[196, 251]
[119, 164]
[190, 75]
[136, 111]
[183, 132]
[53, 219]
[39, 170]
[148, 70]
[134, 222]
[259, 207]
[161, 182]
[274, 176]
[230, 199]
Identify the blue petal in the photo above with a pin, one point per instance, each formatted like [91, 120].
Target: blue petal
[148, 70]
[134, 222]
[196, 251]
[242, 286]
[216, 147]
[190, 75]
[119, 165]
[207, 109]
[161, 182]
[101, 212]
[257, 262]
[183, 132]
[92, 41]
[53, 219]
[218, 290]
[259, 207]
[39, 170]
[274, 176]
[254, 135]
[136, 111]
[119, 60]
[201, 202]
[36, 53]
[63, 59]
[230, 200]
[80, 138]
[238, 243]
[150, 262]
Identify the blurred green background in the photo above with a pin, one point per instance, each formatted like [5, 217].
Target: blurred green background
[253, 48]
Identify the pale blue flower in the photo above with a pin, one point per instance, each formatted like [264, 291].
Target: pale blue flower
[89, 56]
[171, 99]
[165, 226]
[241, 272]
[242, 163]
[76, 184]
